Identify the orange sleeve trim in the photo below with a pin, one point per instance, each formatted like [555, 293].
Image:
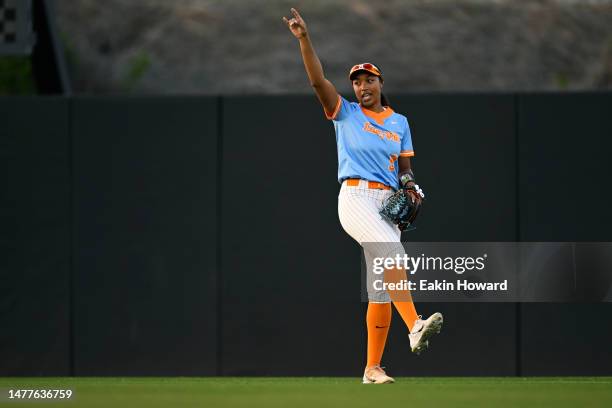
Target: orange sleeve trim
[336, 110]
[407, 153]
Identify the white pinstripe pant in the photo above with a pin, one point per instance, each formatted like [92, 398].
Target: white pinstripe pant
[358, 208]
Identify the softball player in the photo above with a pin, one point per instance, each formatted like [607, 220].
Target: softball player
[374, 150]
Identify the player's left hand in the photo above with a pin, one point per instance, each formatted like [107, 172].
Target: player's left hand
[414, 192]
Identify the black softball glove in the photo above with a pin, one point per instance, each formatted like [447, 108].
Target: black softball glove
[403, 206]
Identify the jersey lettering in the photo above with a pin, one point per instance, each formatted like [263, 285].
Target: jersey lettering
[381, 133]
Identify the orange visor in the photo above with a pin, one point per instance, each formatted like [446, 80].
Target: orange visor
[366, 66]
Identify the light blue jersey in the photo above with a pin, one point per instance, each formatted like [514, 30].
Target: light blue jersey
[370, 143]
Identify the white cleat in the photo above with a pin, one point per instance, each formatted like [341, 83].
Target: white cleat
[423, 330]
[376, 375]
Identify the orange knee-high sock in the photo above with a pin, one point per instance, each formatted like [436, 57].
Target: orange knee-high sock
[378, 320]
[407, 311]
[402, 299]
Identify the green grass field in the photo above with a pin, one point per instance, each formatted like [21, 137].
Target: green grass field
[317, 392]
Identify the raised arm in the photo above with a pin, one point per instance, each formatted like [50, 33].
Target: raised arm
[325, 90]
